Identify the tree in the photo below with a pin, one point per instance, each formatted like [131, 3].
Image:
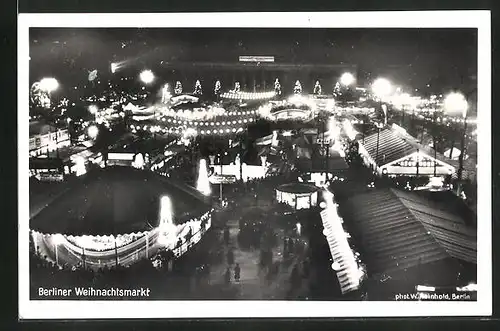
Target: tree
[337, 90]
[197, 88]
[277, 87]
[297, 89]
[237, 87]
[178, 88]
[217, 88]
[317, 88]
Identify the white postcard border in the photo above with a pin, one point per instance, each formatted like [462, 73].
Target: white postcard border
[29, 309]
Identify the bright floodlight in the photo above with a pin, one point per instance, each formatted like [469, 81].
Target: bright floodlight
[114, 67]
[49, 84]
[93, 131]
[147, 76]
[347, 79]
[382, 87]
[455, 102]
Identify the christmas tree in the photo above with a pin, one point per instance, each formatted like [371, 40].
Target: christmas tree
[237, 87]
[317, 88]
[336, 90]
[197, 88]
[217, 87]
[277, 87]
[165, 94]
[297, 89]
[178, 88]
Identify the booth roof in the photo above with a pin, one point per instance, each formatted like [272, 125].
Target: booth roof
[116, 200]
[41, 128]
[399, 230]
[297, 188]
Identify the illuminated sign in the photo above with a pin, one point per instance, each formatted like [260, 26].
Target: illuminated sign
[121, 156]
[222, 179]
[256, 58]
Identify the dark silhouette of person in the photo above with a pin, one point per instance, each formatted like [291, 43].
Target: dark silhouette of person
[227, 276]
[237, 271]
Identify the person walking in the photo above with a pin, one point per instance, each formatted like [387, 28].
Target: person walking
[237, 271]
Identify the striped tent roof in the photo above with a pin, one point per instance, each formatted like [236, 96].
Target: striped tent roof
[400, 230]
[394, 144]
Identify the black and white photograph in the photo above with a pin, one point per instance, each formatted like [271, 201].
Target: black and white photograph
[254, 165]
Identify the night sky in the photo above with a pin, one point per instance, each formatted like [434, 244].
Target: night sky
[440, 58]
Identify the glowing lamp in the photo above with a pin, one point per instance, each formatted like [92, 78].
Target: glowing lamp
[147, 76]
[336, 266]
[456, 103]
[49, 84]
[93, 109]
[347, 79]
[93, 131]
[382, 87]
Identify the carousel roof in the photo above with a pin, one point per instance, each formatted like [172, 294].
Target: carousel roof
[400, 230]
[297, 188]
[116, 200]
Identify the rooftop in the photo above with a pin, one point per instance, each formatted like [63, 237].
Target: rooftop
[399, 230]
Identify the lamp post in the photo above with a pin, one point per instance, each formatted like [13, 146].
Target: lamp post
[434, 140]
[456, 102]
[57, 240]
[220, 186]
[382, 88]
[379, 126]
[147, 245]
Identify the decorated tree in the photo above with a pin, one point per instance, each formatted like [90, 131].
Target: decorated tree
[165, 94]
[277, 86]
[337, 90]
[317, 88]
[217, 87]
[197, 88]
[178, 88]
[297, 89]
[237, 87]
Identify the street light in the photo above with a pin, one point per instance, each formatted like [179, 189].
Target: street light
[455, 102]
[382, 88]
[93, 131]
[347, 79]
[147, 76]
[49, 84]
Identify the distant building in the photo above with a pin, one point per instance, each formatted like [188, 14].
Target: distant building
[45, 138]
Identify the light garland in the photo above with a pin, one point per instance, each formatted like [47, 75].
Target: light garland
[249, 95]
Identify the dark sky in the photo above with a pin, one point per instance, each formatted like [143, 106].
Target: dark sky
[410, 57]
